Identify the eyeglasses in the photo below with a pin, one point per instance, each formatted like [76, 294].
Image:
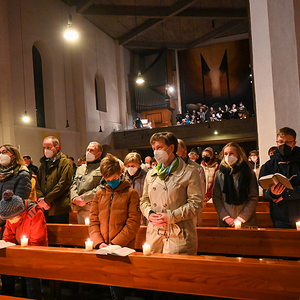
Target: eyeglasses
[289, 143]
[4, 152]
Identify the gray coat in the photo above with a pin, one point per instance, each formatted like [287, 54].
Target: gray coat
[86, 183]
[246, 211]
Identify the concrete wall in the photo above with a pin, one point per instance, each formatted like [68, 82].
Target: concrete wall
[69, 69]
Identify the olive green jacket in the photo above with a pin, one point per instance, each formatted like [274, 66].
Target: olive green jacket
[54, 183]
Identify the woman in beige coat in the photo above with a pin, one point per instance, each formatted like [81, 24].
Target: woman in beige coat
[171, 199]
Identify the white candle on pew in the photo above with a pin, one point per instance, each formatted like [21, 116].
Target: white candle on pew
[146, 249]
[237, 224]
[89, 245]
[24, 241]
[298, 225]
[87, 221]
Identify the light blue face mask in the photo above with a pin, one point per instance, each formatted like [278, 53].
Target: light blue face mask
[114, 183]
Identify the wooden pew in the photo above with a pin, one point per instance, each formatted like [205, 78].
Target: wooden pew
[242, 278]
[210, 219]
[210, 216]
[241, 242]
[261, 207]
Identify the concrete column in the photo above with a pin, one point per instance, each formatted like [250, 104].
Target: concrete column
[275, 69]
[7, 119]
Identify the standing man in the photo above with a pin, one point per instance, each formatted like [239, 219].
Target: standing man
[53, 182]
[87, 182]
[28, 163]
[284, 202]
[182, 152]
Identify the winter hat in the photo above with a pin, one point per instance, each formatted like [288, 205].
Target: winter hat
[11, 205]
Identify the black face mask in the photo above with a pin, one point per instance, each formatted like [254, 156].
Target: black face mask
[284, 150]
[206, 159]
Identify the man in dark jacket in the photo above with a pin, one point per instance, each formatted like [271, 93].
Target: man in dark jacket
[284, 202]
[54, 179]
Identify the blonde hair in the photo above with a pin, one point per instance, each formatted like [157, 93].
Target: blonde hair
[241, 155]
[133, 157]
[15, 152]
[110, 166]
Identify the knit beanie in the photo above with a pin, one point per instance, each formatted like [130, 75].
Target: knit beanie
[11, 205]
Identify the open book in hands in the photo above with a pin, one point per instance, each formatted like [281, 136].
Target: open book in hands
[115, 250]
[4, 244]
[267, 181]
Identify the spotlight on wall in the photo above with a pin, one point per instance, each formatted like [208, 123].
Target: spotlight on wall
[171, 89]
[70, 33]
[140, 78]
[215, 132]
[25, 118]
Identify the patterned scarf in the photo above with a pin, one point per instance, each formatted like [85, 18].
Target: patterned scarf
[164, 173]
[243, 183]
[6, 172]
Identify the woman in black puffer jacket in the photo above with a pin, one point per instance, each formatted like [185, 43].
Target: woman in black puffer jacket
[13, 173]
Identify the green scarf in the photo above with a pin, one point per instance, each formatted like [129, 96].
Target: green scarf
[164, 173]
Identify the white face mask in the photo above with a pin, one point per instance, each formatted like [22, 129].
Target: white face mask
[90, 156]
[131, 170]
[254, 158]
[5, 160]
[230, 160]
[161, 156]
[48, 153]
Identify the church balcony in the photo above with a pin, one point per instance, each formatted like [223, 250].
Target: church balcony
[237, 130]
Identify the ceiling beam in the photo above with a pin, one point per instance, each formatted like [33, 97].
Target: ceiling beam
[83, 5]
[155, 45]
[173, 10]
[215, 13]
[162, 11]
[127, 10]
[214, 33]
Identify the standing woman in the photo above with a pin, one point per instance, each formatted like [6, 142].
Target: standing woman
[14, 176]
[235, 192]
[171, 199]
[135, 175]
[13, 173]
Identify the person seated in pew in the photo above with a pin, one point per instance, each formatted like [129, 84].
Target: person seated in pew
[235, 191]
[115, 214]
[23, 218]
[171, 199]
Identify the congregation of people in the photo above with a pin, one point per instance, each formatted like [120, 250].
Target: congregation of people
[203, 113]
[166, 193]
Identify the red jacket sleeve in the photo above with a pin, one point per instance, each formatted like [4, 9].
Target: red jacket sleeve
[9, 235]
[38, 230]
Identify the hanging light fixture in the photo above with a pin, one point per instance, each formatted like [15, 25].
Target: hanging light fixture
[140, 78]
[25, 117]
[100, 130]
[167, 97]
[70, 33]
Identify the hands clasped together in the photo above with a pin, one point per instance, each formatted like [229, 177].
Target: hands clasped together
[159, 219]
[43, 204]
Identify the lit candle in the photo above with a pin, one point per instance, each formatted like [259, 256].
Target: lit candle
[89, 245]
[298, 225]
[146, 249]
[237, 224]
[24, 241]
[87, 221]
